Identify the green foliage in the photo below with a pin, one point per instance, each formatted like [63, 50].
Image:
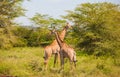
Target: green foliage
[4, 42]
[22, 35]
[10, 9]
[14, 62]
[4, 69]
[7, 39]
[29, 62]
[20, 42]
[96, 28]
[31, 36]
[34, 66]
[39, 37]
[46, 21]
[96, 31]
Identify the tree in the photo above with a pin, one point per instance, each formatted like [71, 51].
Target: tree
[9, 10]
[96, 27]
[45, 21]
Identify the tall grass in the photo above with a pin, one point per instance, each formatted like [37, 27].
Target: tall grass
[28, 62]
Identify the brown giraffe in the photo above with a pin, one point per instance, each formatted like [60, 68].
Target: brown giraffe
[54, 47]
[65, 51]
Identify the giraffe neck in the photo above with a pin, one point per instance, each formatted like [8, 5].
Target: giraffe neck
[58, 39]
[63, 33]
[62, 36]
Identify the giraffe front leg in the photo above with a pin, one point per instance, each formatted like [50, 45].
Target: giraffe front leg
[46, 59]
[45, 64]
[55, 58]
[71, 65]
[58, 57]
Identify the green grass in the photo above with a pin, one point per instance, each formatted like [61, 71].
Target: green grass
[28, 62]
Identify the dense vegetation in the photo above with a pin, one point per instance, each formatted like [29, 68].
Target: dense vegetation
[9, 10]
[95, 35]
[97, 28]
[28, 62]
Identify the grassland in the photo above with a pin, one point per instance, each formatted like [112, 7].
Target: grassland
[28, 62]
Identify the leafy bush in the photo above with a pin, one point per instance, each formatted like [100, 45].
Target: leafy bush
[31, 36]
[4, 69]
[96, 27]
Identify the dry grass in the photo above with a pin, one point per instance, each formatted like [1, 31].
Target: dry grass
[28, 62]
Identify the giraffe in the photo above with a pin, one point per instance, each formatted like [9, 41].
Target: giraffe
[65, 51]
[54, 47]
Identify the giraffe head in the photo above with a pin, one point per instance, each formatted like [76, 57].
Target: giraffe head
[53, 31]
[68, 26]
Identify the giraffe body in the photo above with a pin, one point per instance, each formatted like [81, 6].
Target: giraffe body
[65, 51]
[54, 47]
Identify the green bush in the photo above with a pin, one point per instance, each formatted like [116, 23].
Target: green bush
[5, 69]
[31, 36]
[20, 42]
[5, 42]
[96, 28]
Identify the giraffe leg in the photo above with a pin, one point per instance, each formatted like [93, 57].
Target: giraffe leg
[74, 60]
[71, 64]
[58, 58]
[75, 64]
[55, 58]
[46, 62]
[62, 61]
